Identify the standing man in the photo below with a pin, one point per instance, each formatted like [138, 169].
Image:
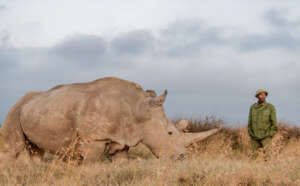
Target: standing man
[262, 123]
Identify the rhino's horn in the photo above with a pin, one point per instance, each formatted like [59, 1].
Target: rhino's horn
[190, 138]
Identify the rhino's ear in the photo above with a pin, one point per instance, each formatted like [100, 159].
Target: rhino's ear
[159, 101]
[182, 125]
[151, 93]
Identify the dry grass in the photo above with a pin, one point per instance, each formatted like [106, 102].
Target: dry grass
[222, 159]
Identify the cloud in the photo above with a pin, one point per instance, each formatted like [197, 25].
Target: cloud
[85, 50]
[8, 58]
[133, 43]
[277, 19]
[188, 37]
[205, 70]
[281, 34]
[4, 38]
[2, 8]
[276, 40]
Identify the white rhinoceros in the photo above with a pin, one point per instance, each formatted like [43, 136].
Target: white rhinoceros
[105, 115]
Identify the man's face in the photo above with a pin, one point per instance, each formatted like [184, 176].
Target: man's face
[262, 96]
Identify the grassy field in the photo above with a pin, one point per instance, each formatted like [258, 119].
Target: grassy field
[223, 159]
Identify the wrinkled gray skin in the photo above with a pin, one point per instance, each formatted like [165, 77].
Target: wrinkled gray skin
[105, 115]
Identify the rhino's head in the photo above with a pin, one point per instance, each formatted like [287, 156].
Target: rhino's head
[163, 137]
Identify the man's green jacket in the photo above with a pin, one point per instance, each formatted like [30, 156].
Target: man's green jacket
[262, 121]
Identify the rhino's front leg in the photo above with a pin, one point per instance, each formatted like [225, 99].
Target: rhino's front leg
[121, 156]
[91, 151]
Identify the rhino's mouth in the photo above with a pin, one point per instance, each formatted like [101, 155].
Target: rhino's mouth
[181, 157]
[177, 156]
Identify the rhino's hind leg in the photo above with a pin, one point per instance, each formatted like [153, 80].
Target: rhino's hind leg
[13, 144]
[92, 151]
[14, 139]
[36, 154]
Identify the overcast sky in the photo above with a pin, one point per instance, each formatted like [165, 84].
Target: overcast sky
[211, 55]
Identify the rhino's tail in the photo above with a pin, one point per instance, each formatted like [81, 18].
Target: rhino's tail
[14, 139]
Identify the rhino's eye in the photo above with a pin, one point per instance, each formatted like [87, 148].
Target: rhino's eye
[170, 133]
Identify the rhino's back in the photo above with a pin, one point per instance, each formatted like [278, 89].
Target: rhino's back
[51, 120]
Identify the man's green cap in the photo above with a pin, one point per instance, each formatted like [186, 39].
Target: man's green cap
[261, 90]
